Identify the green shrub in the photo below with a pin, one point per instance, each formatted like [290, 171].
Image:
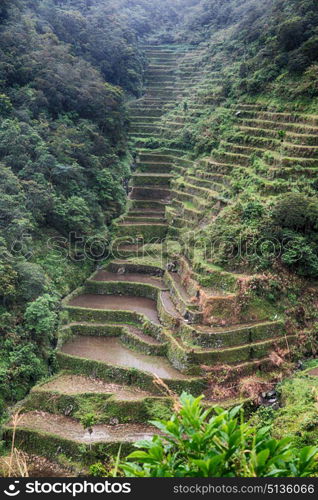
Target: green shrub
[304, 56]
[309, 85]
[41, 318]
[88, 421]
[32, 280]
[291, 33]
[98, 470]
[295, 218]
[253, 210]
[295, 211]
[300, 254]
[5, 105]
[199, 443]
[21, 366]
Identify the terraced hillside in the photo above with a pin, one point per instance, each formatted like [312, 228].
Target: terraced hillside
[160, 308]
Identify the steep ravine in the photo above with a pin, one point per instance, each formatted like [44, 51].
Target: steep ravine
[149, 312]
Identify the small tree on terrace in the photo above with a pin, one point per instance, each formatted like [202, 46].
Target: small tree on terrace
[88, 421]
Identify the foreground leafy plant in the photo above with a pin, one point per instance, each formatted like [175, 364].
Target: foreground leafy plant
[197, 443]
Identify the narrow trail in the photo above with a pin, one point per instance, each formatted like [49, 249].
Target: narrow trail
[148, 313]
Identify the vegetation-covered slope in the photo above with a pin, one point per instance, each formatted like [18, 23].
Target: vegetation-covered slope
[270, 45]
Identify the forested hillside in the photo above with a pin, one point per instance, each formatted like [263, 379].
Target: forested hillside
[185, 134]
[266, 46]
